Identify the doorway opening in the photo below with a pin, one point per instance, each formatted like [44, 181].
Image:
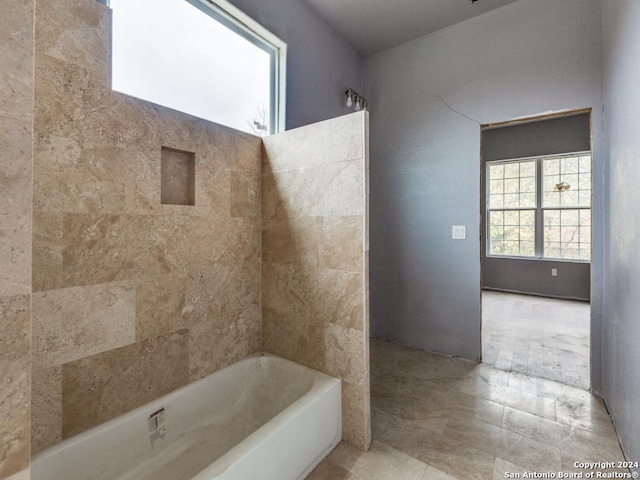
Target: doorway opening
[536, 200]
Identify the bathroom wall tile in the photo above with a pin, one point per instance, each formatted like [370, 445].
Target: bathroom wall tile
[73, 323]
[333, 190]
[288, 336]
[356, 423]
[296, 240]
[16, 51]
[66, 96]
[289, 288]
[16, 153]
[77, 32]
[221, 292]
[217, 240]
[246, 194]
[80, 181]
[235, 338]
[345, 354]
[46, 408]
[15, 253]
[160, 301]
[107, 248]
[15, 387]
[340, 139]
[98, 388]
[345, 291]
[343, 243]
[47, 271]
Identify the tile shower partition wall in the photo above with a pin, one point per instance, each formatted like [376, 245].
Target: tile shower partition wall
[315, 257]
[16, 162]
[132, 298]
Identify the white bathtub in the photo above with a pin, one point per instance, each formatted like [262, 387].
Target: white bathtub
[263, 418]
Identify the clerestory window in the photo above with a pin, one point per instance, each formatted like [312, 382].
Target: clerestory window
[202, 57]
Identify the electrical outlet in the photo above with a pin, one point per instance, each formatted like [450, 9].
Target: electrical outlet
[554, 272]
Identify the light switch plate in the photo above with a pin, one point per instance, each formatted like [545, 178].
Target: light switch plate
[459, 232]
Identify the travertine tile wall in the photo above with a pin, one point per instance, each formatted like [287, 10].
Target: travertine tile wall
[131, 298]
[315, 257]
[16, 170]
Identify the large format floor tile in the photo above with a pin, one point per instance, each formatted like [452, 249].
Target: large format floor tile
[537, 336]
[441, 418]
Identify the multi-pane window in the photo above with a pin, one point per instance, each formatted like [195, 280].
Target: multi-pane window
[540, 207]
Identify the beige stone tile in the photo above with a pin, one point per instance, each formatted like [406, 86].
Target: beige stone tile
[160, 301]
[588, 415]
[75, 32]
[384, 462]
[474, 433]
[219, 240]
[440, 452]
[333, 190]
[73, 323]
[222, 304]
[432, 473]
[464, 406]
[98, 388]
[66, 96]
[289, 288]
[345, 455]
[356, 423]
[331, 141]
[222, 294]
[345, 354]
[46, 408]
[15, 253]
[21, 475]
[47, 269]
[330, 471]
[530, 454]
[234, 340]
[587, 446]
[340, 299]
[16, 51]
[343, 244]
[15, 387]
[502, 467]
[16, 165]
[289, 336]
[541, 406]
[107, 248]
[74, 180]
[535, 427]
[245, 193]
[293, 241]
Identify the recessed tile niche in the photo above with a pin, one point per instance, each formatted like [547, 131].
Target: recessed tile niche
[177, 177]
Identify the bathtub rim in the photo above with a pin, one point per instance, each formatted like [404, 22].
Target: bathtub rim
[325, 383]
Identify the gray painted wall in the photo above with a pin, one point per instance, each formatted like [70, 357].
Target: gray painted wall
[566, 134]
[428, 99]
[321, 65]
[621, 355]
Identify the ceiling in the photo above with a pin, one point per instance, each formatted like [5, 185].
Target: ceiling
[371, 26]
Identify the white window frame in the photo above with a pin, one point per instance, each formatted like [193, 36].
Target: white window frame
[239, 22]
[538, 209]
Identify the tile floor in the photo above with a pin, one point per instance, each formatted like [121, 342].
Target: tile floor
[439, 418]
[538, 336]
